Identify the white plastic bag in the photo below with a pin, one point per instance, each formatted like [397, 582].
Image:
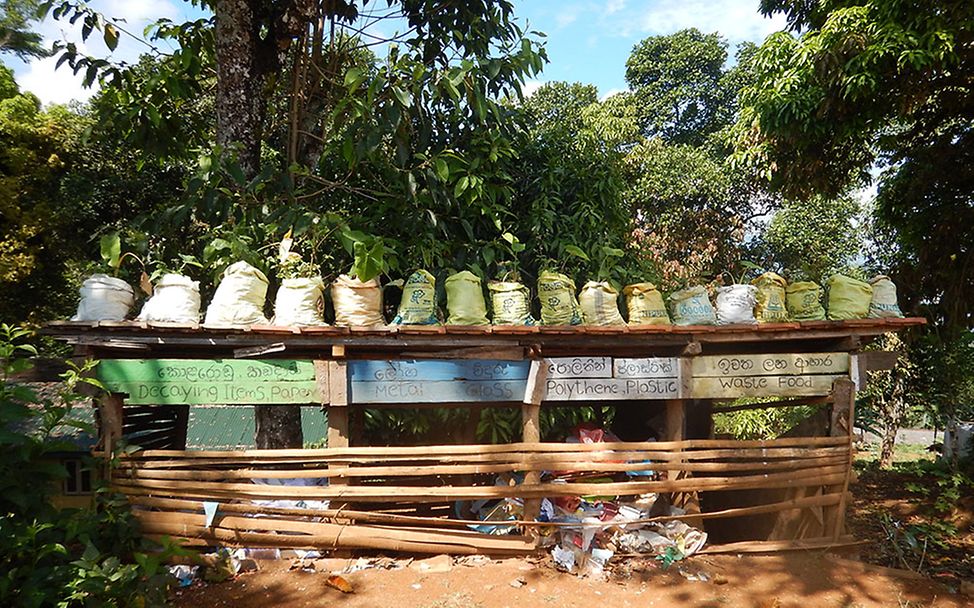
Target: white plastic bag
[357, 302]
[175, 299]
[104, 298]
[735, 304]
[239, 298]
[298, 302]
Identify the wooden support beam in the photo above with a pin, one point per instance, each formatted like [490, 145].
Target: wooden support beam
[843, 417]
[534, 394]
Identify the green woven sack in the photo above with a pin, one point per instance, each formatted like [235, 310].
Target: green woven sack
[804, 301]
[691, 306]
[848, 298]
[418, 304]
[557, 295]
[465, 299]
[883, 303]
[770, 298]
[645, 305]
[510, 303]
[600, 304]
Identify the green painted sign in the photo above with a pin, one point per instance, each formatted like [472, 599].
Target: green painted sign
[210, 381]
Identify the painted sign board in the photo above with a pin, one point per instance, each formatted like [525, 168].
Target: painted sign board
[568, 379]
[650, 367]
[800, 364]
[733, 387]
[210, 381]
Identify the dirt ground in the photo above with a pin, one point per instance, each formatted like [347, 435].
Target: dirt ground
[794, 580]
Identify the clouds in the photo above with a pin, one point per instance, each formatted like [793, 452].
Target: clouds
[736, 20]
[62, 85]
[530, 86]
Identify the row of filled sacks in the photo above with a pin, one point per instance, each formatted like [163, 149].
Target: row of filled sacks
[240, 296]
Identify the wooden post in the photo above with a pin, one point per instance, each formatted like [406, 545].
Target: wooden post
[676, 424]
[110, 423]
[337, 404]
[534, 394]
[843, 418]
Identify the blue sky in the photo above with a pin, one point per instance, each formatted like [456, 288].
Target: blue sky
[587, 40]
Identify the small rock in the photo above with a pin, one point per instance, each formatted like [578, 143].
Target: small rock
[439, 563]
[720, 579]
[518, 583]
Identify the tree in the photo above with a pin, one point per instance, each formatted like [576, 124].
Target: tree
[15, 34]
[811, 239]
[680, 85]
[876, 82]
[888, 394]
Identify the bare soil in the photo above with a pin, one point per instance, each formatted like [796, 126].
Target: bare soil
[793, 580]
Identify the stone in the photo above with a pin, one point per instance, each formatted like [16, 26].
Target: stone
[432, 565]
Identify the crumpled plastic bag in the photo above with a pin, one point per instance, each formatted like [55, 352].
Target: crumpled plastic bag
[175, 299]
[883, 303]
[691, 306]
[510, 303]
[299, 302]
[770, 298]
[465, 299]
[735, 304]
[559, 306]
[239, 298]
[804, 301]
[848, 298]
[104, 298]
[357, 302]
[645, 305]
[600, 304]
[418, 304]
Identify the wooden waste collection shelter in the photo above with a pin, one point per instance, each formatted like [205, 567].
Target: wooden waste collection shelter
[784, 493]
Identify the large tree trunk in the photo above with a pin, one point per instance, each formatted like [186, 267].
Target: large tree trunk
[278, 426]
[888, 443]
[252, 39]
[239, 82]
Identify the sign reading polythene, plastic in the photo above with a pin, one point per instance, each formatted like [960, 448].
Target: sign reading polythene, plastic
[568, 379]
[210, 381]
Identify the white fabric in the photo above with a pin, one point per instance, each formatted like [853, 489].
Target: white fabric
[297, 302]
[357, 303]
[175, 299]
[104, 298]
[239, 298]
[735, 304]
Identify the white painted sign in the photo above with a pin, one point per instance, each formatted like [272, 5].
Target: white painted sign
[579, 367]
[650, 367]
[605, 389]
[771, 365]
[733, 387]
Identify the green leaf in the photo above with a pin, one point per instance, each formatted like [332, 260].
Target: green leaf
[576, 251]
[111, 249]
[111, 36]
[405, 97]
[442, 169]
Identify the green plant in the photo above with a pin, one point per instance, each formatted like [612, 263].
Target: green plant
[62, 557]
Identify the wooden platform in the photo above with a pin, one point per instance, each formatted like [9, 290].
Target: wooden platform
[134, 339]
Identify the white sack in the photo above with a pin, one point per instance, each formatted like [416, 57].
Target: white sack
[104, 298]
[298, 302]
[239, 298]
[175, 299]
[735, 304]
[883, 303]
[356, 302]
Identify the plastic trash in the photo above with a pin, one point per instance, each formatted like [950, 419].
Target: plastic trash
[185, 575]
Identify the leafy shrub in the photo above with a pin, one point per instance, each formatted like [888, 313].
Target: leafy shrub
[61, 557]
